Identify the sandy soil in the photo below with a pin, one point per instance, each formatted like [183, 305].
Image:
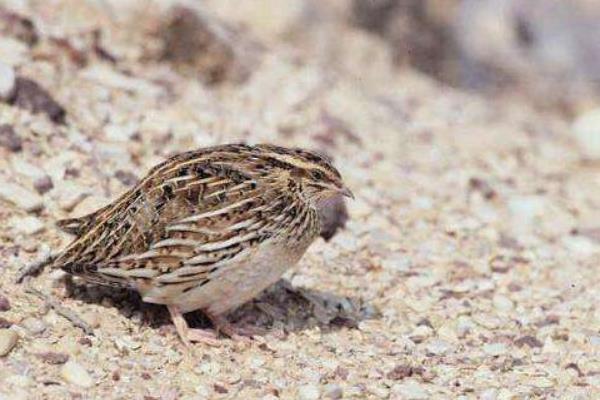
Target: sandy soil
[469, 265]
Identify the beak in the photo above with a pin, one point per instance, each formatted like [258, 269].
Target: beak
[346, 192]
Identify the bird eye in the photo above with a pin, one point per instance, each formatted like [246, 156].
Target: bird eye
[317, 175]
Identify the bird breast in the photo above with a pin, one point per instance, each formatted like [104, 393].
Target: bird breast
[237, 281]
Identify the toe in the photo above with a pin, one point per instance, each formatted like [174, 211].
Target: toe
[203, 336]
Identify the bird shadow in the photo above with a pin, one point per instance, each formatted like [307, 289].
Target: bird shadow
[281, 309]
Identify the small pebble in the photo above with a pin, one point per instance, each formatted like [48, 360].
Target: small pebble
[502, 303]
[22, 381]
[54, 358]
[379, 391]
[74, 373]
[26, 169]
[28, 225]
[43, 184]
[505, 394]
[397, 263]
[7, 81]
[526, 208]
[8, 340]
[125, 345]
[309, 392]
[20, 196]
[119, 133]
[495, 349]
[528, 340]
[542, 382]
[4, 303]
[438, 347]
[420, 334]
[31, 96]
[333, 391]
[410, 390]
[9, 138]
[33, 325]
[93, 319]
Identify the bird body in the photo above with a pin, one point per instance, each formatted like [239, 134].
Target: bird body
[207, 229]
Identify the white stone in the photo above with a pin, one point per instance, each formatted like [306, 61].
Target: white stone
[580, 246]
[27, 225]
[7, 81]
[542, 382]
[12, 52]
[16, 394]
[125, 345]
[489, 394]
[333, 391]
[410, 390]
[396, 263]
[120, 133]
[74, 373]
[8, 340]
[20, 196]
[525, 208]
[495, 349]
[27, 169]
[505, 394]
[464, 325]
[448, 332]
[309, 392]
[33, 325]
[22, 381]
[439, 347]
[502, 303]
[550, 346]
[421, 332]
[586, 130]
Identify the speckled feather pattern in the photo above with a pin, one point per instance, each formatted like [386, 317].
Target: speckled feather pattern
[207, 229]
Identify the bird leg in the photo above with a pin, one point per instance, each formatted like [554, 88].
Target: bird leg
[188, 335]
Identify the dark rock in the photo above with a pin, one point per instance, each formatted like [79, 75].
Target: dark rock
[404, 371]
[43, 184]
[197, 44]
[18, 27]
[9, 138]
[528, 340]
[220, 389]
[4, 304]
[31, 96]
[54, 358]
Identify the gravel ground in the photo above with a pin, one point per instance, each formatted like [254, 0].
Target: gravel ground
[468, 268]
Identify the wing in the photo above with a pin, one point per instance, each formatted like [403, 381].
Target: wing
[185, 222]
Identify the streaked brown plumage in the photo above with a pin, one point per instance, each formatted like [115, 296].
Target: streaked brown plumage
[207, 229]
